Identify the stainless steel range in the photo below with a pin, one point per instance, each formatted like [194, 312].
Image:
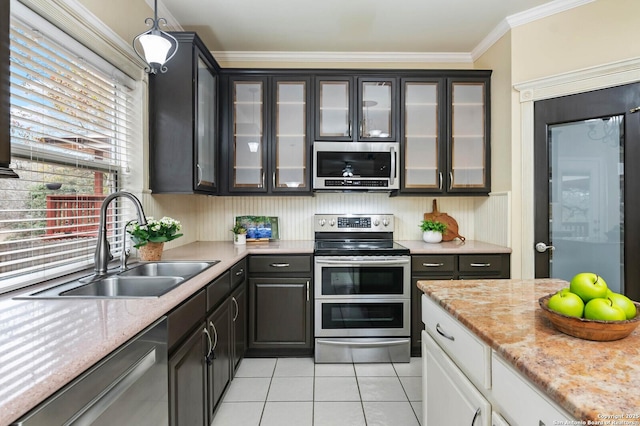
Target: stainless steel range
[362, 290]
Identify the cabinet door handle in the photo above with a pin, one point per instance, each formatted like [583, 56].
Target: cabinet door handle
[205, 331]
[235, 302]
[262, 186]
[475, 416]
[433, 265]
[450, 181]
[361, 127]
[307, 291]
[240, 272]
[350, 128]
[440, 185]
[480, 265]
[215, 336]
[199, 174]
[443, 333]
[273, 180]
[279, 265]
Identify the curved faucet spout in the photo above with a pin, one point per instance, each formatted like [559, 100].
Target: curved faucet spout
[103, 250]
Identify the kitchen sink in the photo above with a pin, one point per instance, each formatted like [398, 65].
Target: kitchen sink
[146, 280]
[166, 269]
[119, 286]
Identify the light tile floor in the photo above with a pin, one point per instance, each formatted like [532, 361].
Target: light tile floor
[297, 392]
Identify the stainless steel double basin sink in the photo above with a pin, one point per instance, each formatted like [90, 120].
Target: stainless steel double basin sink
[147, 280]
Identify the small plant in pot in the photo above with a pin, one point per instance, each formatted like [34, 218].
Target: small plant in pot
[239, 234]
[432, 231]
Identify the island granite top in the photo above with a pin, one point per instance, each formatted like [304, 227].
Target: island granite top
[591, 380]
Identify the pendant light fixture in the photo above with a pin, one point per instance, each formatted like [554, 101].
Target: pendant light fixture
[158, 46]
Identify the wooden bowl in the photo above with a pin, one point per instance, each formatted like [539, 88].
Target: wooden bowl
[582, 328]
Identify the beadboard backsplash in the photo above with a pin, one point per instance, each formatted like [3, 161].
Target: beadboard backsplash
[210, 218]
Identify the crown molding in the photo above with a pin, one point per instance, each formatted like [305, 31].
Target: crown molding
[354, 57]
[522, 18]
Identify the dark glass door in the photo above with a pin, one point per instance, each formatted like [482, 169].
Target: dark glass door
[587, 188]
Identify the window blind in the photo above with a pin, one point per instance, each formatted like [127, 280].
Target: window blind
[72, 124]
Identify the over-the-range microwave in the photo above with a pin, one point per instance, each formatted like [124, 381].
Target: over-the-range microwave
[340, 166]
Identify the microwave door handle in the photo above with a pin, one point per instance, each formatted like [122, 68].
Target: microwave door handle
[393, 165]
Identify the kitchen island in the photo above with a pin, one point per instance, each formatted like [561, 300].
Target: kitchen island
[592, 381]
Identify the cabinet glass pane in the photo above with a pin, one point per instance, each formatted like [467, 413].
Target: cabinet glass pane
[291, 135]
[421, 135]
[376, 109]
[206, 126]
[467, 138]
[248, 142]
[334, 108]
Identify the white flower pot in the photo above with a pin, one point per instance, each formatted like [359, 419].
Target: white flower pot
[432, 236]
[239, 239]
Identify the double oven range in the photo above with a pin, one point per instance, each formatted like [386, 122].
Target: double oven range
[362, 290]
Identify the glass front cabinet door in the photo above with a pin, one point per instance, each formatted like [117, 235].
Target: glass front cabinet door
[206, 122]
[291, 157]
[423, 154]
[469, 136]
[249, 155]
[355, 109]
[270, 121]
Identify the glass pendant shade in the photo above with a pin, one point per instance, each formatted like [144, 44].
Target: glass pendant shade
[156, 48]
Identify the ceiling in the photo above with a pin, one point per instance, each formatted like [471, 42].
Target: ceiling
[364, 26]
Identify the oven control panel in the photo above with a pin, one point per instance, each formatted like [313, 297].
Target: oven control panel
[353, 223]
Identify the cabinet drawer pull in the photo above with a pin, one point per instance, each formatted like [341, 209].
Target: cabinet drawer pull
[432, 265]
[475, 416]
[307, 291]
[444, 334]
[480, 265]
[240, 272]
[279, 265]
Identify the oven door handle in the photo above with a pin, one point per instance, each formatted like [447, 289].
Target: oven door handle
[362, 261]
[363, 344]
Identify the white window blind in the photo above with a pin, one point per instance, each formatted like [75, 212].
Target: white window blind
[72, 123]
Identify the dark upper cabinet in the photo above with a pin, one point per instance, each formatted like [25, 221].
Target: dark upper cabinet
[356, 108]
[268, 134]
[183, 109]
[445, 134]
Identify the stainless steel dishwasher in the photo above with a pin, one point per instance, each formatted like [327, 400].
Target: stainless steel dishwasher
[128, 387]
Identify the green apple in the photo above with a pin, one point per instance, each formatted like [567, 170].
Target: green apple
[588, 286]
[603, 309]
[624, 303]
[567, 303]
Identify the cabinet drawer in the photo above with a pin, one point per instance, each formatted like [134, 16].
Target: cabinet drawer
[238, 273]
[217, 290]
[520, 403]
[185, 317]
[279, 264]
[470, 354]
[435, 264]
[481, 263]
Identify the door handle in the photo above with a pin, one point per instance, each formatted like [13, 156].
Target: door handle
[542, 247]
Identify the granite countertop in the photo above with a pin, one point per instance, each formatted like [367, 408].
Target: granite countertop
[591, 380]
[46, 343]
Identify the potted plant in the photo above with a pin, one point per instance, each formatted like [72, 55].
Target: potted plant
[239, 234]
[150, 239]
[432, 231]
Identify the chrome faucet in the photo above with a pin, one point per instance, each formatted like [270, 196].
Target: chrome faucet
[103, 254]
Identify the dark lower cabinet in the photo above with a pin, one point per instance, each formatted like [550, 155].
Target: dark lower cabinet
[218, 361]
[239, 324]
[187, 381]
[280, 319]
[450, 267]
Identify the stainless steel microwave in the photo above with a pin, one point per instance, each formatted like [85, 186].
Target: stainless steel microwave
[368, 166]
